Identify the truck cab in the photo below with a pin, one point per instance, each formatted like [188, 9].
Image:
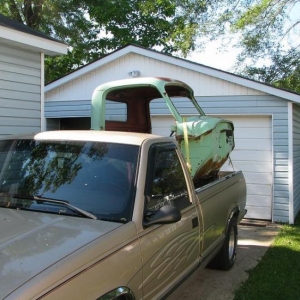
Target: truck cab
[205, 142]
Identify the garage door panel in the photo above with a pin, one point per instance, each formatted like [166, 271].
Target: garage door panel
[244, 121]
[253, 212]
[252, 144]
[259, 189]
[252, 155]
[247, 166]
[247, 155]
[162, 125]
[257, 200]
[258, 178]
[256, 133]
[250, 166]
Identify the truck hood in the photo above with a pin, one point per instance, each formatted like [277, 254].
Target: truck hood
[29, 237]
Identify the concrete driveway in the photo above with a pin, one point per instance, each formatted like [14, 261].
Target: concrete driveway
[208, 284]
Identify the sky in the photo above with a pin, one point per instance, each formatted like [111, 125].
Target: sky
[225, 60]
[212, 57]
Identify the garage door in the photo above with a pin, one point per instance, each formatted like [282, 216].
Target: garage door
[252, 155]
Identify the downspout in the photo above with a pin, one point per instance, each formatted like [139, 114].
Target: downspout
[291, 163]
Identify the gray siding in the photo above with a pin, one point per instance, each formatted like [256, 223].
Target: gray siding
[263, 105]
[67, 109]
[20, 91]
[296, 158]
[224, 105]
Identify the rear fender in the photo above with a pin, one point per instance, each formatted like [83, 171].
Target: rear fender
[234, 214]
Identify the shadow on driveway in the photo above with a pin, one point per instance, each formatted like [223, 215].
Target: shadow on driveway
[207, 284]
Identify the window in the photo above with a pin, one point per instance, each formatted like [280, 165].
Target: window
[93, 176]
[169, 185]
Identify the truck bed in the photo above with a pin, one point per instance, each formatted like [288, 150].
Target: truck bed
[219, 194]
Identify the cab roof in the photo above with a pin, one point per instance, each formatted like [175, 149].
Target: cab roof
[129, 138]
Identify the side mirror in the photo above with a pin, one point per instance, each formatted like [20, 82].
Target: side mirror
[165, 215]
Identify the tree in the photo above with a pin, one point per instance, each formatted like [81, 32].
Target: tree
[93, 28]
[269, 38]
[283, 72]
[64, 20]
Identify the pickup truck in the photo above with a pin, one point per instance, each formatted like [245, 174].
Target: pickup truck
[109, 215]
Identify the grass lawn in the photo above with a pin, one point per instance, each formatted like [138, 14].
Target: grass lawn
[277, 276]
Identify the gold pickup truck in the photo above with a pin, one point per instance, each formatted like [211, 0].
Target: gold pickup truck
[108, 215]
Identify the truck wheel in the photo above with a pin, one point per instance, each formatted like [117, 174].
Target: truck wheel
[225, 259]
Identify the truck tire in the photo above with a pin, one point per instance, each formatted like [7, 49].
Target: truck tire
[225, 258]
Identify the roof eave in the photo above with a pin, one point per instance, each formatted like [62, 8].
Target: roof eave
[31, 42]
[175, 61]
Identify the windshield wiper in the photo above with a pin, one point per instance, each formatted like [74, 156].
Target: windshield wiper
[73, 208]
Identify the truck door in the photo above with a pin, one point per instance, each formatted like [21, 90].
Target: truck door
[169, 251]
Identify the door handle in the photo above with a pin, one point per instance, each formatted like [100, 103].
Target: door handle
[195, 222]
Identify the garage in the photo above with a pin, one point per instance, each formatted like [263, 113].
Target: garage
[252, 155]
[267, 119]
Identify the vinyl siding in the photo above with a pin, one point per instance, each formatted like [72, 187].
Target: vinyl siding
[252, 154]
[277, 108]
[82, 87]
[296, 158]
[225, 105]
[20, 91]
[63, 109]
[262, 105]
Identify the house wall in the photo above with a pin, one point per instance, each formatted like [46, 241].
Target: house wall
[215, 96]
[252, 154]
[296, 158]
[278, 109]
[20, 91]
[223, 105]
[82, 87]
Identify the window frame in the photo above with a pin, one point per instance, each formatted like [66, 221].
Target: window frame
[154, 151]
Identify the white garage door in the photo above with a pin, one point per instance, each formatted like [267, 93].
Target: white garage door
[252, 155]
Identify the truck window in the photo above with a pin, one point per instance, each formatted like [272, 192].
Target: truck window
[169, 185]
[96, 177]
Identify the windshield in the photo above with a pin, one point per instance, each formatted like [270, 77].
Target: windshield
[97, 178]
